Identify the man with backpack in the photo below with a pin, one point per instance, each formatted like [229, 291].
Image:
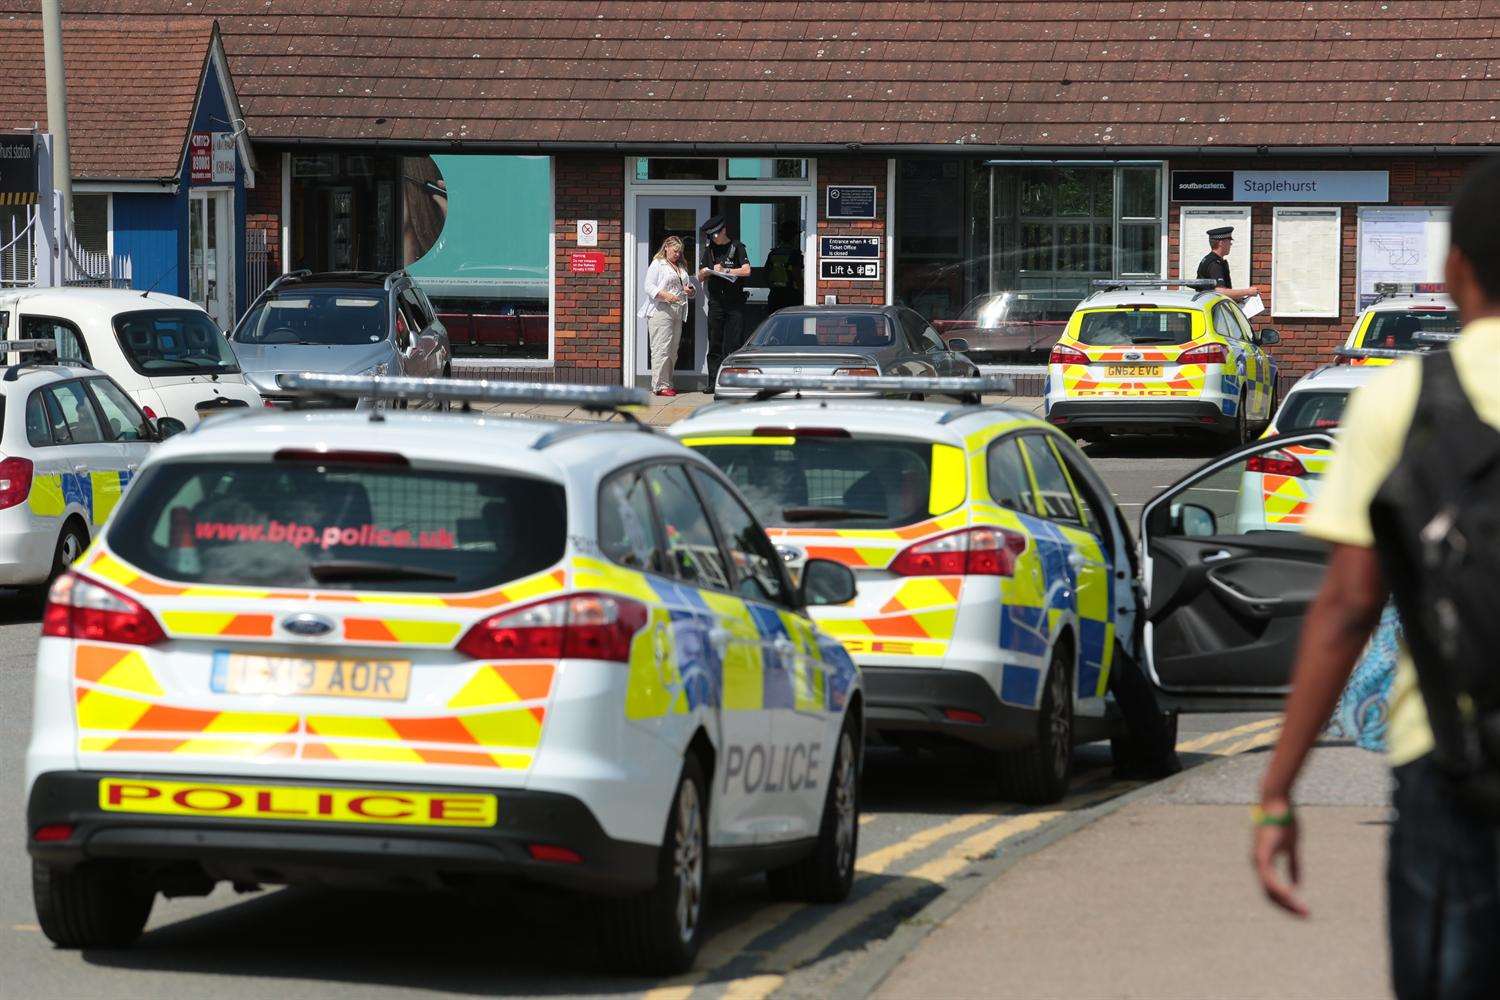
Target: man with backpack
[1411, 504]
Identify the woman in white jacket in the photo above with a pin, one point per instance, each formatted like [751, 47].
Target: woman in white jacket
[668, 291]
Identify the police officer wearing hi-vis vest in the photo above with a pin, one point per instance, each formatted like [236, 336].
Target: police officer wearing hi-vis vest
[727, 265]
[1214, 266]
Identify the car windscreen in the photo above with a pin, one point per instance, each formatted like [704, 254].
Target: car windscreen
[1312, 409]
[329, 316]
[836, 482]
[174, 342]
[335, 526]
[1398, 330]
[823, 330]
[1138, 327]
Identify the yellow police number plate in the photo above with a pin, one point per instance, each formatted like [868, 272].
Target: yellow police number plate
[240, 673]
[1134, 371]
[298, 803]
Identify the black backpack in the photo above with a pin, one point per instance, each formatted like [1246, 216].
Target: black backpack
[1436, 520]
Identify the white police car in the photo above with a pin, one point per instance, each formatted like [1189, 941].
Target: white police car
[438, 648]
[70, 441]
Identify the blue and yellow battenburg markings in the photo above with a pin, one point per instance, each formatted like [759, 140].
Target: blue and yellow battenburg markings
[96, 492]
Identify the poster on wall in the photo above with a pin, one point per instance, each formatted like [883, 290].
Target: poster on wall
[1403, 245]
[1305, 262]
[1193, 243]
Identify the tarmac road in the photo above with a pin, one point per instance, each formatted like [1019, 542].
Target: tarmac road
[930, 832]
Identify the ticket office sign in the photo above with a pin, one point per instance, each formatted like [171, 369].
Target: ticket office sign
[849, 258]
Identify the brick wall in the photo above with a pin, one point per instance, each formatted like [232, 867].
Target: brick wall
[263, 208]
[1307, 343]
[854, 170]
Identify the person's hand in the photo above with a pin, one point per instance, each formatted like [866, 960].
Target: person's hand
[687, 290]
[1272, 843]
[702, 273]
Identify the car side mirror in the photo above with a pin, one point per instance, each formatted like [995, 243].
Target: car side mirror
[1193, 520]
[1268, 337]
[825, 582]
[166, 427]
[957, 344]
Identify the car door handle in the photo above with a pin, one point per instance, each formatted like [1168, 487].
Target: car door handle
[80, 467]
[1075, 559]
[785, 649]
[719, 639]
[1219, 556]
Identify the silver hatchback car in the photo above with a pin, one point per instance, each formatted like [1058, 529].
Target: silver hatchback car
[845, 340]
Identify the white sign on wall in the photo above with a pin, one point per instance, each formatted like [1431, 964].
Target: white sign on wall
[1311, 185]
[1193, 243]
[1305, 262]
[1401, 245]
[223, 158]
[588, 232]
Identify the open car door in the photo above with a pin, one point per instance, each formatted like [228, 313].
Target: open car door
[1228, 575]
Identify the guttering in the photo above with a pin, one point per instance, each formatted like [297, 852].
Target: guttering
[125, 185]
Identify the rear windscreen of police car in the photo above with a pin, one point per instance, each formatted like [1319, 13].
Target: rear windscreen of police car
[1134, 327]
[1398, 330]
[829, 482]
[1311, 410]
[337, 526]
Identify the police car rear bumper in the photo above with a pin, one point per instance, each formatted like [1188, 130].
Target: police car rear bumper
[288, 852]
[1125, 414]
[917, 705]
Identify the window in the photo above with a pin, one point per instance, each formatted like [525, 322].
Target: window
[627, 524]
[757, 568]
[174, 342]
[333, 526]
[669, 168]
[1093, 513]
[1010, 487]
[72, 414]
[124, 420]
[1398, 330]
[1056, 492]
[38, 427]
[70, 344]
[706, 168]
[1312, 410]
[1137, 327]
[91, 222]
[826, 329]
[331, 316]
[691, 546]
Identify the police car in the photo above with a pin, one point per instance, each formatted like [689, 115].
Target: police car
[1147, 356]
[70, 441]
[1406, 317]
[325, 646]
[995, 572]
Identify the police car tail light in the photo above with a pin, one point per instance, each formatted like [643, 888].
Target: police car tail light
[15, 481]
[967, 552]
[82, 609]
[580, 626]
[1067, 356]
[1275, 463]
[1208, 354]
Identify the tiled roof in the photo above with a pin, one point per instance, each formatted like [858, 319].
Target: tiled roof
[1114, 73]
[131, 88]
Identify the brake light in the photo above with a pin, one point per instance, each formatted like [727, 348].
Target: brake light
[580, 626]
[342, 457]
[1067, 356]
[1284, 466]
[806, 432]
[966, 552]
[739, 371]
[15, 481]
[53, 833]
[82, 609]
[861, 372]
[1208, 354]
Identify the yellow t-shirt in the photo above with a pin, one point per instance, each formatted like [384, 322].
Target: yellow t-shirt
[1371, 437]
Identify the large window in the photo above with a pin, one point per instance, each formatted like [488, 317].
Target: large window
[475, 232]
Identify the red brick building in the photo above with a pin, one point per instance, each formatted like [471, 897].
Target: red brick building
[524, 159]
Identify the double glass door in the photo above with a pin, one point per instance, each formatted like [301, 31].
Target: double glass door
[210, 254]
[659, 217]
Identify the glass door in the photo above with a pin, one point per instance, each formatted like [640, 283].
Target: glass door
[210, 263]
[657, 217]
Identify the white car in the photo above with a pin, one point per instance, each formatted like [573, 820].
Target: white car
[165, 351]
[435, 649]
[70, 441]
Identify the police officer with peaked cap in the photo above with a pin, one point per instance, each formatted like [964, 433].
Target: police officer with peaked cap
[1214, 266]
[726, 299]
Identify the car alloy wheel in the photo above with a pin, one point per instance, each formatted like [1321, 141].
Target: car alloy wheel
[687, 861]
[846, 803]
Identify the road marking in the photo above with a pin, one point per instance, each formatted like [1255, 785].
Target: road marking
[26, 928]
[1219, 736]
[878, 861]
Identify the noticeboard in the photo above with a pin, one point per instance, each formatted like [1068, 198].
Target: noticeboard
[18, 166]
[850, 201]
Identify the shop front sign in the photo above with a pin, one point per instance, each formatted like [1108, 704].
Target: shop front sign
[1281, 186]
[211, 158]
[849, 258]
[18, 170]
[586, 262]
[850, 201]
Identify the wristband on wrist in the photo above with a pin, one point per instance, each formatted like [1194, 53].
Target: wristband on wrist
[1260, 817]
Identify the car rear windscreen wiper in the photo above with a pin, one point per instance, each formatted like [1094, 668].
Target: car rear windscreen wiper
[795, 514]
[351, 570]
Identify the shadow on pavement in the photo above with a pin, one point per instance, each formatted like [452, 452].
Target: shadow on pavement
[947, 782]
[19, 607]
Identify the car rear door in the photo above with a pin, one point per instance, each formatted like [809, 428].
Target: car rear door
[88, 468]
[1228, 574]
[915, 359]
[124, 424]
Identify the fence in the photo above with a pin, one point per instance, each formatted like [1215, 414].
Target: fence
[80, 267]
[257, 263]
[17, 249]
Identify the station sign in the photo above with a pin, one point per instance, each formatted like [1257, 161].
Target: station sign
[18, 170]
[849, 258]
[1281, 186]
[850, 201]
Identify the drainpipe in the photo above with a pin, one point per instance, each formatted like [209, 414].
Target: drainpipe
[57, 110]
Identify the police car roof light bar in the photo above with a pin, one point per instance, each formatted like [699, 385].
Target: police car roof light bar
[38, 345]
[1435, 336]
[1121, 284]
[1388, 288]
[1376, 352]
[593, 398]
[767, 386]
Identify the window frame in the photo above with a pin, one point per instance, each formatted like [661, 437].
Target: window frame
[1044, 438]
[731, 577]
[143, 423]
[658, 531]
[73, 327]
[36, 394]
[50, 398]
[1011, 439]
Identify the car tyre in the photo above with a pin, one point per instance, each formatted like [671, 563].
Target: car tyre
[1040, 773]
[96, 904]
[70, 545]
[1242, 421]
[658, 932]
[827, 874]
[1133, 756]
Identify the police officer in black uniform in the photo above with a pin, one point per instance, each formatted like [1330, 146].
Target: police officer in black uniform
[726, 299]
[1214, 266]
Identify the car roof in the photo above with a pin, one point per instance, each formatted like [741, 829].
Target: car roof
[1397, 303]
[838, 310]
[28, 377]
[1186, 298]
[1337, 377]
[93, 303]
[927, 420]
[334, 279]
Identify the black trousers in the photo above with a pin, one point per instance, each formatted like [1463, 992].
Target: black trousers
[726, 332]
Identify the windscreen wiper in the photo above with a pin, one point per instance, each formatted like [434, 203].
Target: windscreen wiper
[352, 570]
[795, 514]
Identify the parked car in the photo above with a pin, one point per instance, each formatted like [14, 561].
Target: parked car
[1010, 327]
[845, 340]
[1396, 322]
[340, 323]
[165, 351]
